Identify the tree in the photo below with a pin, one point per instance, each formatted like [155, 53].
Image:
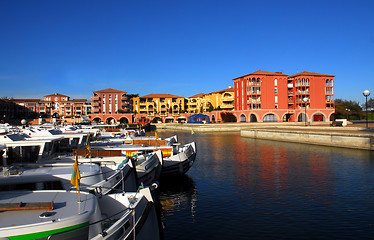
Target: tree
[210, 108]
[370, 104]
[347, 109]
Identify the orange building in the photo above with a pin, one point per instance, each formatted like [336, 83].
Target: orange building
[276, 97]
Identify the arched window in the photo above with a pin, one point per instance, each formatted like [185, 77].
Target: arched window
[258, 81]
[303, 82]
[270, 118]
[253, 118]
[275, 82]
[327, 82]
[243, 118]
[307, 81]
[302, 118]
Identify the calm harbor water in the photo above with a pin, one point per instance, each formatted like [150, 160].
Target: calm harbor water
[242, 188]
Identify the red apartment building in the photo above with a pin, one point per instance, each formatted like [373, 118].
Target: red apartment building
[54, 105]
[276, 97]
[110, 101]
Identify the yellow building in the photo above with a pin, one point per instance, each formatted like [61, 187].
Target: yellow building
[201, 103]
[161, 104]
[196, 103]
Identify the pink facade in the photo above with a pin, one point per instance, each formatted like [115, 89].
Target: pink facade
[268, 97]
[110, 101]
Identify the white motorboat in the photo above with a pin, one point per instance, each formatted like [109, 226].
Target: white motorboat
[180, 161]
[21, 147]
[56, 175]
[177, 158]
[148, 165]
[59, 215]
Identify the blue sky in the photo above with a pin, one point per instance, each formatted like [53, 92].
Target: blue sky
[180, 47]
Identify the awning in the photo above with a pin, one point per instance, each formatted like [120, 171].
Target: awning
[169, 118]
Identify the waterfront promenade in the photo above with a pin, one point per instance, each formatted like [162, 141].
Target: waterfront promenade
[352, 136]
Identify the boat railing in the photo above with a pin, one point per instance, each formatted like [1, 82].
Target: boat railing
[85, 228]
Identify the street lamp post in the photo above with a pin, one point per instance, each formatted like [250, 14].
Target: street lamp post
[366, 93]
[305, 100]
[348, 110]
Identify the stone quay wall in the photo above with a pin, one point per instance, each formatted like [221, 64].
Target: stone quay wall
[318, 134]
[355, 140]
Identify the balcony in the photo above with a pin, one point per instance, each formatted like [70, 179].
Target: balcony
[290, 93]
[142, 103]
[254, 92]
[163, 114]
[151, 113]
[302, 92]
[95, 104]
[175, 113]
[227, 106]
[192, 104]
[227, 99]
[290, 85]
[95, 98]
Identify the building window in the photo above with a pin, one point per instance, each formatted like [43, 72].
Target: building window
[276, 90]
[275, 82]
[276, 99]
[276, 106]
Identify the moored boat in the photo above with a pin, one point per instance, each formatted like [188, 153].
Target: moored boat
[60, 215]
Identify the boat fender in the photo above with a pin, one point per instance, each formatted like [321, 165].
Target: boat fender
[154, 185]
[99, 190]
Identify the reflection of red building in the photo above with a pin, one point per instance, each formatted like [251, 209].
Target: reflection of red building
[275, 97]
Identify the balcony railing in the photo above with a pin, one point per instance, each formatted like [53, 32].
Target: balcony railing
[227, 99]
[226, 106]
[253, 92]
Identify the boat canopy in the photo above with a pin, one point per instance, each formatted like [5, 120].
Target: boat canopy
[198, 118]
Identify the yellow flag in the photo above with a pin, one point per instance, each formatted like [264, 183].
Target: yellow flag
[88, 142]
[127, 126]
[75, 176]
[192, 132]
[156, 135]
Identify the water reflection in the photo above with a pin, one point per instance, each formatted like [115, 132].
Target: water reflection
[177, 194]
[243, 188]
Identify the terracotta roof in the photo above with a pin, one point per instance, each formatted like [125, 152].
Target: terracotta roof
[200, 95]
[79, 100]
[226, 90]
[110, 90]
[56, 94]
[161, 95]
[305, 73]
[26, 100]
[260, 72]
